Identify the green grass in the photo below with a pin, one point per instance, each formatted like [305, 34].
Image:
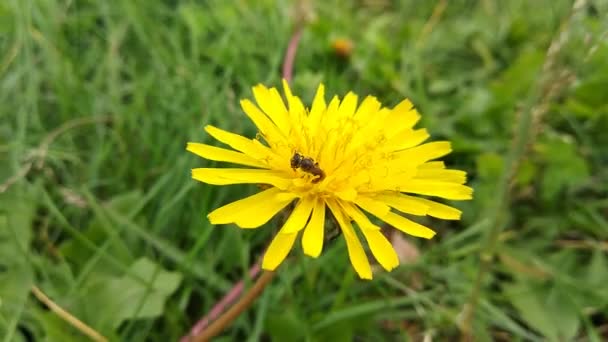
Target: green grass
[98, 99]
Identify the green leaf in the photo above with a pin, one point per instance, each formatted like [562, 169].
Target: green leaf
[565, 167]
[564, 313]
[519, 77]
[526, 173]
[489, 169]
[110, 240]
[286, 326]
[441, 86]
[194, 17]
[489, 166]
[342, 331]
[56, 329]
[591, 93]
[525, 298]
[597, 274]
[17, 210]
[545, 308]
[7, 18]
[112, 300]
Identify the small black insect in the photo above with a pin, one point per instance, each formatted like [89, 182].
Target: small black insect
[308, 165]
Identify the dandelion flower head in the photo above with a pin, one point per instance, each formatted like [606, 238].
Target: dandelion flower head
[360, 160]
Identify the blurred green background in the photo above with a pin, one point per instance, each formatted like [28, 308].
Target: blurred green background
[97, 207]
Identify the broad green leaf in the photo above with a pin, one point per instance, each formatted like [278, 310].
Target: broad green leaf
[564, 313]
[526, 173]
[110, 301]
[517, 80]
[528, 301]
[545, 308]
[489, 166]
[565, 167]
[17, 210]
[56, 329]
[597, 275]
[286, 326]
[110, 240]
[591, 92]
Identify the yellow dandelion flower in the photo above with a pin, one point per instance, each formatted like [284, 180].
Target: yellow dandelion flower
[356, 160]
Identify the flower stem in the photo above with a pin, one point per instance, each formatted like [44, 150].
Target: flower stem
[220, 306]
[290, 55]
[218, 326]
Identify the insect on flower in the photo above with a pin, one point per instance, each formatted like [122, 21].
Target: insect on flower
[308, 165]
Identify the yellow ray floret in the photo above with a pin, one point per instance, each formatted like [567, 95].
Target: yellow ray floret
[345, 159]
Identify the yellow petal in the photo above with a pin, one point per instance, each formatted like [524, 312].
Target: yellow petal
[312, 240]
[329, 133]
[262, 122]
[348, 106]
[422, 153]
[379, 245]
[355, 251]
[220, 154]
[443, 175]
[401, 117]
[373, 206]
[252, 211]
[369, 128]
[295, 104]
[318, 108]
[438, 210]
[239, 143]
[406, 113]
[407, 139]
[367, 109]
[347, 194]
[404, 203]
[408, 226]
[278, 250]
[271, 103]
[331, 112]
[432, 165]
[241, 176]
[298, 218]
[362, 221]
[403, 107]
[389, 178]
[297, 117]
[438, 189]
[381, 248]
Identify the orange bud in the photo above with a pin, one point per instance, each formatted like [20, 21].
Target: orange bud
[342, 47]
